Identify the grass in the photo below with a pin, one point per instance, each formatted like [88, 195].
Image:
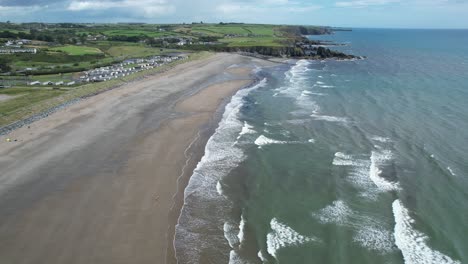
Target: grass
[23, 100]
[238, 29]
[30, 101]
[77, 50]
[53, 77]
[252, 41]
[131, 33]
[135, 51]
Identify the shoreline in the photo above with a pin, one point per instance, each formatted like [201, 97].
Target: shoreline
[196, 152]
[97, 181]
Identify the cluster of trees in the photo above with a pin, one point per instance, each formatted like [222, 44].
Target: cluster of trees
[208, 38]
[48, 36]
[128, 38]
[5, 64]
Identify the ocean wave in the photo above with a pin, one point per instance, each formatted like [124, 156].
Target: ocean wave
[246, 129]
[283, 236]
[381, 139]
[375, 238]
[366, 174]
[412, 243]
[342, 159]
[451, 171]
[262, 141]
[337, 213]
[312, 93]
[329, 118]
[369, 232]
[379, 158]
[219, 188]
[240, 235]
[234, 258]
[230, 233]
[262, 256]
[297, 80]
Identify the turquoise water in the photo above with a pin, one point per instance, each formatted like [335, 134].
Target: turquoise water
[340, 162]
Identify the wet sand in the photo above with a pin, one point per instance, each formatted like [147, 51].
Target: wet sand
[102, 181]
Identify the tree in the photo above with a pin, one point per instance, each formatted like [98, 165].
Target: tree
[48, 38]
[4, 65]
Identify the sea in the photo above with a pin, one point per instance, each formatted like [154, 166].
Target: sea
[359, 161]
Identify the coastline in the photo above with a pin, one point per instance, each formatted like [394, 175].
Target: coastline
[97, 181]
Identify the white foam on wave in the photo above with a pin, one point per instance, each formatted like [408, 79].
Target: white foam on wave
[451, 171]
[235, 241]
[366, 174]
[378, 158]
[375, 238]
[230, 230]
[311, 140]
[220, 155]
[234, 258]
[319, 82]
[342, 159]
[381, 139]
[312, 93]
[219, 188]
[283, 236]
[246, 129]
[262, 141]
[240, 235]
[296, 83]
[412, 243]
[329, 118]
[369, 232]
[262, 257]
[205, 184]
[326, 86]
[338, 213]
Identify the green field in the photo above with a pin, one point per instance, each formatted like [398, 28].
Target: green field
[253, 41]
[240, 29]
[130, 33]
[14, 107]
[77, 50]
[132, 51]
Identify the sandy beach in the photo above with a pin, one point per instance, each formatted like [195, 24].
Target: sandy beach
[102, 181]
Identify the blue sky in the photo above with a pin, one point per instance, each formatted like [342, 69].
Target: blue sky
[347, 13]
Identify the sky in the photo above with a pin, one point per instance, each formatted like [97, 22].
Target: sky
[338, 13]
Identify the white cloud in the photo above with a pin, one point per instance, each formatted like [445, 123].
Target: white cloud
[231, 8]
[301, 9]
[148, 8]
[152, 11]
[364, 3]
[18, 11]
[266, 6]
